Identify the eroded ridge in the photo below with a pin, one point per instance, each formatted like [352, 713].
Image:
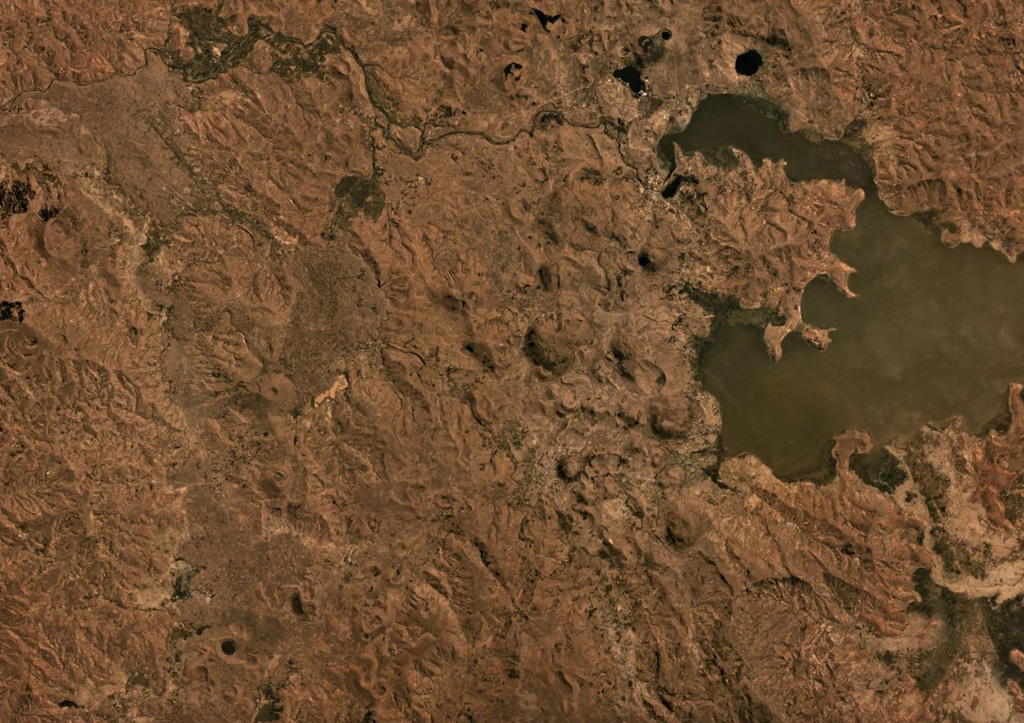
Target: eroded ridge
[349, 368]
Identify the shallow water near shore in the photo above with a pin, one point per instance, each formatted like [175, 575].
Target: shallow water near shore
[934, 332]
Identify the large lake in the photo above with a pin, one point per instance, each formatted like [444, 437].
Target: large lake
[933, 332]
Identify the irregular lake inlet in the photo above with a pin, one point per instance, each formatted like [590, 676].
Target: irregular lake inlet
[934, 332]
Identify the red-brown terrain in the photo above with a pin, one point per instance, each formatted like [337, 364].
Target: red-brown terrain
[349, 366]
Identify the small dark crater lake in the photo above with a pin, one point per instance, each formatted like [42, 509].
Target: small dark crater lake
[934, 332]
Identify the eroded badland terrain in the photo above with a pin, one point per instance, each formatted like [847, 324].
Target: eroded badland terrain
[350, 364]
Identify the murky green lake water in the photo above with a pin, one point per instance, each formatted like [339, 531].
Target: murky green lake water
[934, 332]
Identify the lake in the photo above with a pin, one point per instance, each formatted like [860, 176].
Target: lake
[933, 332]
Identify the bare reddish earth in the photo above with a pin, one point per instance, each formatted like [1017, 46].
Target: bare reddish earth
[355, 372]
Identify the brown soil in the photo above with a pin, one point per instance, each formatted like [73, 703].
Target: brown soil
[348, 366]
